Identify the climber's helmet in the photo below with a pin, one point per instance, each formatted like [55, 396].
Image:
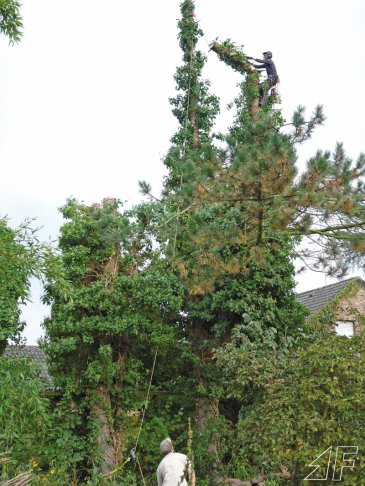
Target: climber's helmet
[267, 54]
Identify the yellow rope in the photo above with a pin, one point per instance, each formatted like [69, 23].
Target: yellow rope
[118, 468]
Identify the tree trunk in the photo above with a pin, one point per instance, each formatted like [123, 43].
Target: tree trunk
[205, 408]
[194, 122]
[101, 408]
[254, 108]
[205, 411]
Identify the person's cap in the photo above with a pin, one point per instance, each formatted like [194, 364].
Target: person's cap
[166, 445]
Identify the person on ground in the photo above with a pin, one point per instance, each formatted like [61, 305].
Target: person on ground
[175, 469]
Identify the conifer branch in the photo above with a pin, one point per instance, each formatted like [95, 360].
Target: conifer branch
[325, 231]
[145, 189]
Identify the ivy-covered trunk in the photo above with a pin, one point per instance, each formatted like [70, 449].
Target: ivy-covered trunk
[92, 259]
[102, 412]
[207, 377]
[108, 303]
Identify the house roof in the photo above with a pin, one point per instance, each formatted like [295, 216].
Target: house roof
[36, 355]
[315, 299]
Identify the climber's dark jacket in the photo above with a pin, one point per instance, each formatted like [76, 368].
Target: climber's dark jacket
[267, 64]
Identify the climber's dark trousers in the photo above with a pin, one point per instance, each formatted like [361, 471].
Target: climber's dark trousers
[265, 87]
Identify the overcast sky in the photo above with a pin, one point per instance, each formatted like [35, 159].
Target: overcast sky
[84, 107]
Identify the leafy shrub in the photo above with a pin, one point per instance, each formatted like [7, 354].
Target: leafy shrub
[24, 415]
[313, 400]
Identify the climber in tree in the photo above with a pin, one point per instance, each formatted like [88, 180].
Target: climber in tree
[272, 75]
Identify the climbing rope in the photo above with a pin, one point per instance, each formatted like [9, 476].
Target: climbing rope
[140, 470]
[146, 403]
[199, 22]
[132, 455]
[133, 452]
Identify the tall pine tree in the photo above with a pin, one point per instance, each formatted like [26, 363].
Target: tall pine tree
[227, 286]
[235, 215]
[258, 181]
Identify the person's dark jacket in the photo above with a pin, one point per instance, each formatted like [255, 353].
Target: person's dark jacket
[267, 64]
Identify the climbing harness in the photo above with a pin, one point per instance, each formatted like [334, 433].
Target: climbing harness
[275, 94]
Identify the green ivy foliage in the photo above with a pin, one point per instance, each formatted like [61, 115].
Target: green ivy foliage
[113, 306]
[260, 303]
[166, 417]
[194, 106]
[308, 400]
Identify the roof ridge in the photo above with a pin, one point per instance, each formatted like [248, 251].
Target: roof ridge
[23, 346]
[331, 285]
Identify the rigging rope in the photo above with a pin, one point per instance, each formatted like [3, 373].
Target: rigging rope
[199, 21]
[140, 470]
[147, 398]
[133, 455]
[133, 452]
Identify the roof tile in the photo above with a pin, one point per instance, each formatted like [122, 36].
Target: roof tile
[316, 299]
[36, 355]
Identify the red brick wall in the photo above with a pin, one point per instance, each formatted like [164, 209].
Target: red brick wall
[346, 306]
